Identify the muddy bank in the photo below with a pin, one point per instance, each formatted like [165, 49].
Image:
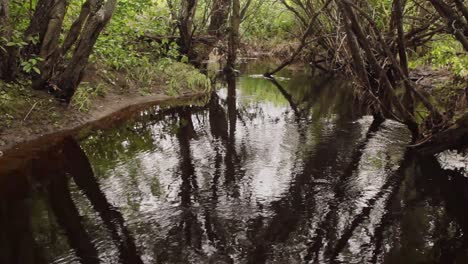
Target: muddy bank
[106, 112]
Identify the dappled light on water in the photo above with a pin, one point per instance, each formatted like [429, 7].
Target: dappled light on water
[282, 171]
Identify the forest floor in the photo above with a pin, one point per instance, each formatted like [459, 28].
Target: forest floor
[26, 115]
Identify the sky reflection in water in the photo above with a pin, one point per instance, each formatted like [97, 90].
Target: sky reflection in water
[265, 172]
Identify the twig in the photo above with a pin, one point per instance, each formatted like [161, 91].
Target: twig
[32, 108]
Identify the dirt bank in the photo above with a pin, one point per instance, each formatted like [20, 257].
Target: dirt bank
[52, 119]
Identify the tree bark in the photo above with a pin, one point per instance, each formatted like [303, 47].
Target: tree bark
[398, 70]
[49, 50]
[233, 44]
[77, 25]
[379, 73]
[38, 26]
[358, 62]
[185, 25]
[398, 10]
[360, 67]
[462, 8]
[455, 24]
[302, 44]
[219, 17]
[455, 137]
[8, 56]
[69, 79]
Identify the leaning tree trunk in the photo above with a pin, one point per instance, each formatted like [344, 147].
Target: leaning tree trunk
[398, 9]
[37, 27]
[398, 70]
[389, 98]
[359, 67]
[233, 43]
[7, 54]
[462, 7]
[49, 50]
[456, 25]
[185, 25]
[303, 42]
[455, 137]
[69, 79]
[77, 26]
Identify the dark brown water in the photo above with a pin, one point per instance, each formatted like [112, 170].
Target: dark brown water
[261, 173]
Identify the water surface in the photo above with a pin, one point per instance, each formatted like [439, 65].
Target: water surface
[262, 172]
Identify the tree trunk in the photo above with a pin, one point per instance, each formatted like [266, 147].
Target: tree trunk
[69, 79]
[218, 17]
[233, 44]
[185, 25]
[38, 26]
[302, 44]
[398, 10]
[8, 65]
[49, 50]
[77, 26]
[398, 70]
[358, 62]
[392, 100]
[461, 6]
[455, 137]
[455, 23]
[360, 67]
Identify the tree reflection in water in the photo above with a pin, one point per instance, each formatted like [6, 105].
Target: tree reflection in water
[281, 171]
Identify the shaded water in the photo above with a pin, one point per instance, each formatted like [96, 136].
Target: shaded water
[262, 172]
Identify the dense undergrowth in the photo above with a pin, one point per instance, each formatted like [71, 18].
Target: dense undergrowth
[122, 62]
[18, 102]
[444, 53]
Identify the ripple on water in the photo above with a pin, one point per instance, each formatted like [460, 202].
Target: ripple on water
[260, 174]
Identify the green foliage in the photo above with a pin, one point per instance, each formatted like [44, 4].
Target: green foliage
[6, 105]
[16, 40]
[270, 21]
[122, 46]
[445, 53]
[85, 94]
[31, 65]
[384, 10]
[179, 76]
[14, 99]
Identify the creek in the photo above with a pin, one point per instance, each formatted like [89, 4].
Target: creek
[259, 172]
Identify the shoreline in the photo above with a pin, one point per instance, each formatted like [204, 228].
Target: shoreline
[107, 112]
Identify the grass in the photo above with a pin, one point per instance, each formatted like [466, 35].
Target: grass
[19, 104]
[22, 107]
[146, 78]
[180, 76]
[85, 95]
